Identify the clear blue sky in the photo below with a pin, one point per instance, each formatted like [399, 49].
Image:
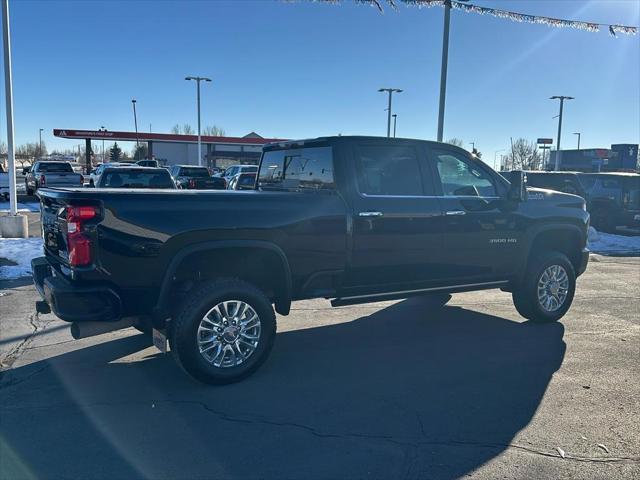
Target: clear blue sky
[306, 69]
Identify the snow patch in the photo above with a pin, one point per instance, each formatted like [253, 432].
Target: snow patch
[609, 244]
[22, 207]
[19, 251]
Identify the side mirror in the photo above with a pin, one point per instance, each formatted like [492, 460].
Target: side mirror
[518, 190]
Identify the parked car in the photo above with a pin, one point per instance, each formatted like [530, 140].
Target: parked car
[148, 163]
[567, 182]
[613, 199]
[94, 176]
[135, 177]
[196, 178]
[4, 184]
[51, 174]
[234, 170]
[243, 181]
[354, 219]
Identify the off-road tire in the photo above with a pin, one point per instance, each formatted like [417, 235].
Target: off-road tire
[183, 330]
[525, 296]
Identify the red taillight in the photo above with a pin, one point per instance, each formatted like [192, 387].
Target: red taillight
[79, 244]
[192, 183]
[43, 181]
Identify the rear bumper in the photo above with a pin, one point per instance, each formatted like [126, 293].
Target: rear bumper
[584, 261]
[73, 303]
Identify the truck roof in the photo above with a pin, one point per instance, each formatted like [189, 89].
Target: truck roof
[346, 138]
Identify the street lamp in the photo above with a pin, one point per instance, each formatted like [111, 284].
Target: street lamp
[395, 119]
[198, 80]
[390, 91]
[473, 145]
[578, 133]
[135, 121]
[562, 98]
[495, 157]
[443, 67]
[40, 144]
[103, 129]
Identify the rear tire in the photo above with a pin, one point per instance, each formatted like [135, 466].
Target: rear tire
[602, 220]
[548, 288]
[223, 332]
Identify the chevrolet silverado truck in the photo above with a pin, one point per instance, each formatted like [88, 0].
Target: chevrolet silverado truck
[351, 219]
[52, 174]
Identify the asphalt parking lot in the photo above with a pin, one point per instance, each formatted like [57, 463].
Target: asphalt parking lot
[386, 390]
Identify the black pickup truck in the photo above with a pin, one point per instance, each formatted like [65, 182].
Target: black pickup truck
[352, 219]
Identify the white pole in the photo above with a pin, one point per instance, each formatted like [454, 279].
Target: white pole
[443, 68]
[199, 142]
[13, 200]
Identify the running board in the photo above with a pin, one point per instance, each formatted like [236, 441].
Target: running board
[380, 297]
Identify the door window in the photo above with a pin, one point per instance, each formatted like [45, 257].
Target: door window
[307, 168]
[389, 170]
[460, 177]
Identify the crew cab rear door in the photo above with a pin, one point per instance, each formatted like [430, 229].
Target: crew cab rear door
[396, 239]
[480, 234]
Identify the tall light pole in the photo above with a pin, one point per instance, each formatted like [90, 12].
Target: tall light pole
[198, 80]
[495, 157]
[578, 133]
[135, 121]
[473, 145]
[103, 129]
[562, 98]
[390, 91]
[40, 143]
[444, 66]
[395, 119]
[8, 88]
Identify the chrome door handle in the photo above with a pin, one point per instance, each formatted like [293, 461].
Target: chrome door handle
[370, 214]
[455, 212]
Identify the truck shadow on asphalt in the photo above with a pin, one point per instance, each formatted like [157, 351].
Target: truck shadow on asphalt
[407, 391]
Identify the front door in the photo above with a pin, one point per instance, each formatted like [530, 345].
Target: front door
[396, 218]
[480, 231]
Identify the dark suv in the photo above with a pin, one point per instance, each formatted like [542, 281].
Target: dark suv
[613, 199]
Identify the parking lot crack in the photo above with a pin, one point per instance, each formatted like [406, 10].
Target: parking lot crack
[14, 354]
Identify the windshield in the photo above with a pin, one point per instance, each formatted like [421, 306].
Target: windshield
[194, 172]
[309, 168]
[55, 167]
[136, 179]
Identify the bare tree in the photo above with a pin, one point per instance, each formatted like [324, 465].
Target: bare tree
[455, 141]
[187, 130]
[524, 156]
[176, 130]
[213, 131]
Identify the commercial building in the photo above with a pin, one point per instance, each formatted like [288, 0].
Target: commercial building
[172, 149]
[619, 158]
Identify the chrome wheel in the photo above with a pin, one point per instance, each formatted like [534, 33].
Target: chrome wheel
[553, 287]
[229, 333]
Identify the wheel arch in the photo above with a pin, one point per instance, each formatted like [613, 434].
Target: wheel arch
[206, 252]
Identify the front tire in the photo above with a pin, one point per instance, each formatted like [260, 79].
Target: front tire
[223, 332]
[547, 291]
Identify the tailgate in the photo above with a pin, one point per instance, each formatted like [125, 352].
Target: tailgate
[54, 224]
[207, 183]
[62, 179]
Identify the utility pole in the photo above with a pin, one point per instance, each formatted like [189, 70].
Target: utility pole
[395, 119]
[390, 91]
[562, 98]
[198, 80]
[8, 88]
[40, 143]
[495, 157]
[135, 121]
[578, 134]
[103, 129]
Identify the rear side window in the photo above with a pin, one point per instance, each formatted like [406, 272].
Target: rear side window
[309, 168]
[460, 177]
[54, 167]
[388, 170]
[130, 179]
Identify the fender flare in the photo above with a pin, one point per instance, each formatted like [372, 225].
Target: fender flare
[537, 230]
[283, 304]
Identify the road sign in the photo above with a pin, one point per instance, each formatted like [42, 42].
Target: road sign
[545, 141]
